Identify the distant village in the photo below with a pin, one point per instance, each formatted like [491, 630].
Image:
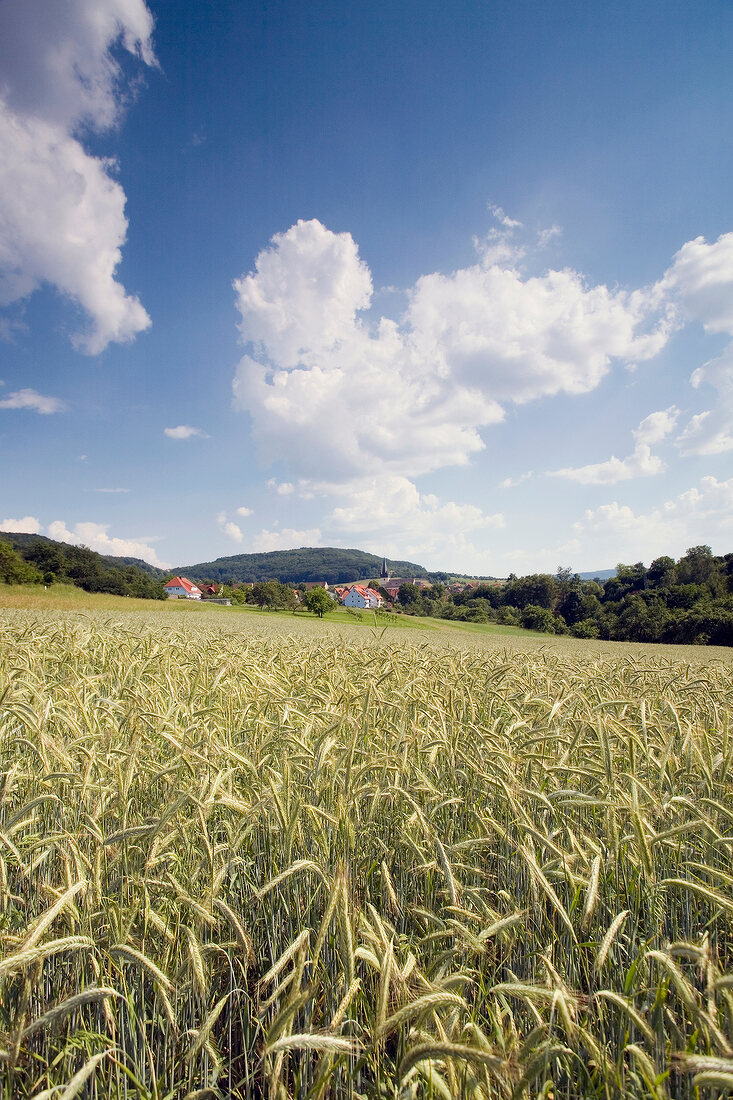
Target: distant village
[353, 594]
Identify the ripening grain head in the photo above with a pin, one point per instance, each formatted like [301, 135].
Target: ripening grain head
[253, 859]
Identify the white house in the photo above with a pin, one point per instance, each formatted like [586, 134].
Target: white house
[182, 588]
[359, 596]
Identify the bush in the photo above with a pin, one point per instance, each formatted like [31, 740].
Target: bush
[538, 618]
[586, 628]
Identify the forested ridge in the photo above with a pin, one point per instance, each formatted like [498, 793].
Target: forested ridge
[308, 563]
[35, 559]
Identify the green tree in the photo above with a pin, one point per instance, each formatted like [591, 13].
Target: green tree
[408, 595]
[662, 572]
[13, 570]
[697, 566]
[318, 601]
[586, 628]
[538, 589]
[538, 618]
[571, 607]
[271, 594]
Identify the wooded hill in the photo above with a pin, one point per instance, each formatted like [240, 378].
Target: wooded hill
[309, 563]
[35, 559]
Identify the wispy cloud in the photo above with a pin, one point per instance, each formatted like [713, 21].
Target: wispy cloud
[110, 490]
[282, 488]
[230, 529]
[30, 399]
[512, 482]
[185, 431]
[502, 218]
[640, 463]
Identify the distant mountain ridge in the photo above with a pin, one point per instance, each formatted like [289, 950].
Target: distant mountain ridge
[308, 563]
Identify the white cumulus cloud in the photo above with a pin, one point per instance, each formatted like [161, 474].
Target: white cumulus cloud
[701, 514]
[614, 532]
[387, 514]
[711, 432]
[184, 431]
[701, 279]
[230, 529]
[29, 399]
[28, 525]
[330, 390]
[62, 213]
[244, 512]
[640, 463]
[96, 537]
[657, 426]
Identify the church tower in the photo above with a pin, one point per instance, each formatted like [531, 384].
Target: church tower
[384, 575]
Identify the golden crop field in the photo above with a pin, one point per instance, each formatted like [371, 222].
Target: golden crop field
[252, 856]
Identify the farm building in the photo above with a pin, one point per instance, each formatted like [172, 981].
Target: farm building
[182, 588]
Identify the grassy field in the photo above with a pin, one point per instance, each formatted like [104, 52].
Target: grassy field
[64, 597]
[258, 855]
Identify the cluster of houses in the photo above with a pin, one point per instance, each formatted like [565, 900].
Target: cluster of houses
[349, 595]
[181, 588]
[357, 595]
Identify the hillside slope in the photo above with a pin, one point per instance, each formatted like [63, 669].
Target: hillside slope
[309, 563]
[85, 568]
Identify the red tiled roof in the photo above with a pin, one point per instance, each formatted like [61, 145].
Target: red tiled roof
[181, 582]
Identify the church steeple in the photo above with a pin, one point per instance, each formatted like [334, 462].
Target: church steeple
[385, 571]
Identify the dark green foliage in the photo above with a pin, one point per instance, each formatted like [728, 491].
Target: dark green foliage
[539, 589]
[686, 602]
[323, 563]
[13, 569]
[586, 628]
[272, 595]
[45, 561]
[662, 573]
[538, 618]
[318, 601]
[409, 595]
[152, 570]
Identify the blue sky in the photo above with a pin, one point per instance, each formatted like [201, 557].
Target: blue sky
[447, 282]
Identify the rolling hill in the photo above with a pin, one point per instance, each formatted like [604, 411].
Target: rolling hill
[309, 563]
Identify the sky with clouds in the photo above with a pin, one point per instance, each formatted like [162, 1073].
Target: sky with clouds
[452, 283]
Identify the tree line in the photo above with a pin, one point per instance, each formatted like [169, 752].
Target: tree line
[689, 601]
